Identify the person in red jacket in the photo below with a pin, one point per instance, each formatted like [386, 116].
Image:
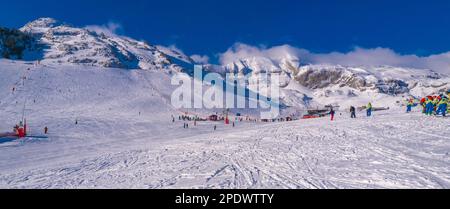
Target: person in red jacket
[21, 132]
[332, 112]
[422, 103]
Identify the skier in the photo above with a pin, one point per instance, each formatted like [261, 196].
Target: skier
[423, 102]
[442, 107]
[234, 125]
[353, 112]
[46, 130]
[332, 112]
[409, 105]
[429, 107]
[435, 103]
[215, 127]
[21, 131]
[369, 109]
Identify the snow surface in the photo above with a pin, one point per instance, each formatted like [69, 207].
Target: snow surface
[113, 146]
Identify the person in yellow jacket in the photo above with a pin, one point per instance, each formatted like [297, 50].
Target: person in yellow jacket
[442, 107]
[369, 109]
[429, 107]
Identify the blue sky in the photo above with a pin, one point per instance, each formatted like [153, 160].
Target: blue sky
[211, 27]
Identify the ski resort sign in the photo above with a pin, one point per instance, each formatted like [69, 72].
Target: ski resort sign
[232, 91]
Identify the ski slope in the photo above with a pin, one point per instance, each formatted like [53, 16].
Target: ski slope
[389, 151]
[125, 138]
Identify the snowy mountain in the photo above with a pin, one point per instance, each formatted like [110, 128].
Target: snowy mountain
[334, 84]
[57, 42]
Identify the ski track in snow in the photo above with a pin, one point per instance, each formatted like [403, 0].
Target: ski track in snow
[396, 151]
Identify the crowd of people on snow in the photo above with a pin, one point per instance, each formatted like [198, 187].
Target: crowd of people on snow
[431, 105]
[193, 119]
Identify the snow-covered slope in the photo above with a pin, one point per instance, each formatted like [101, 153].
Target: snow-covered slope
[125, 138]
[116, 110]
[63, 94]
[383, 152]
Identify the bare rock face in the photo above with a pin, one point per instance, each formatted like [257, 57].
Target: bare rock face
[315, 79]
[392, 87]
[318, 77]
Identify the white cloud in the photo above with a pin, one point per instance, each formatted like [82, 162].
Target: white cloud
[240, 50]
[200, 59]
[357, 57]
[109, 29]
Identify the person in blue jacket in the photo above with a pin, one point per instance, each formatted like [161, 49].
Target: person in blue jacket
[409, 105]
[442, 107]
[429, 107]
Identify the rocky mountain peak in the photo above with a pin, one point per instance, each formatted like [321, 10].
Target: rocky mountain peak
[40, 25]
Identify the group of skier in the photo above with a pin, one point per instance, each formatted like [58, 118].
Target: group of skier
[369, 109]
[432, 105]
